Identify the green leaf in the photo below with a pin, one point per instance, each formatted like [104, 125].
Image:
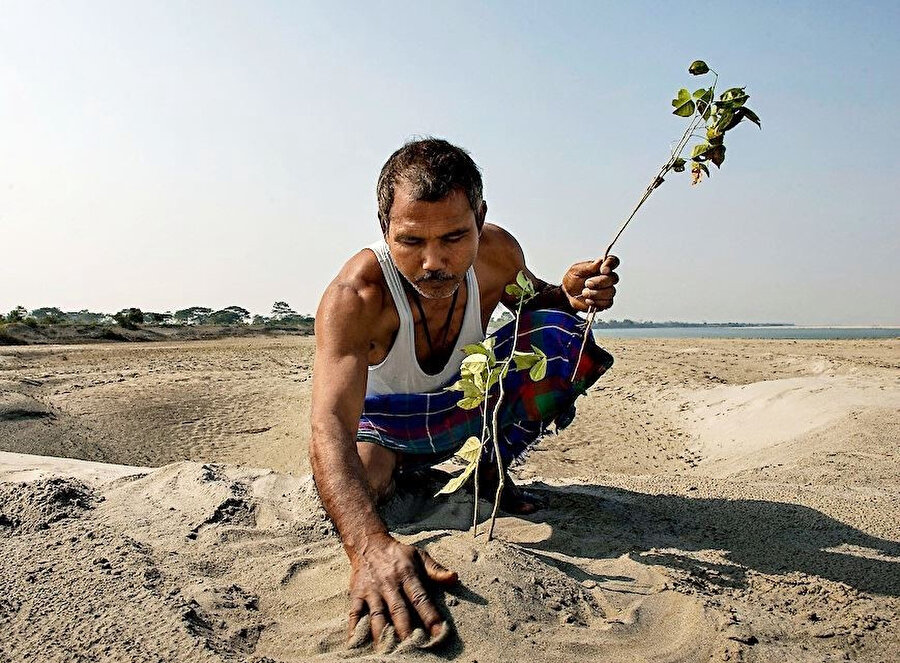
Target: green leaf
[678, 165]
[457, 482]
[699, 150]
[470, 450]
[480, 379]
[475, 362]
[539, 370]
[717, 155]
[474, 348]
[525, 285]
[468, 387]
[685, 110]
[470, 403]
[471, 390]
[698, 68]
[514, 291]
[524, 359]
[493, 379]
[750, 115]
[703, 101]
[728, 120]
[485, 348]
[734, 97]
[683, 96]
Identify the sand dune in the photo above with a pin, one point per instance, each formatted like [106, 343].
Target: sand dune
[715, 500]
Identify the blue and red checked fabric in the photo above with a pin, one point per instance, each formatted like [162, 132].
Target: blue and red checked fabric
[432, 425]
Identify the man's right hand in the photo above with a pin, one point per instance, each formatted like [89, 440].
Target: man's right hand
[386, 579]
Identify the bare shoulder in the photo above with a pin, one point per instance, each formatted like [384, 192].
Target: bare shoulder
[355, 297]
[499, 250]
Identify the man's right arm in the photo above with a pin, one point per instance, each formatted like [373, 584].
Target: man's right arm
[385, 574]
[339, 384]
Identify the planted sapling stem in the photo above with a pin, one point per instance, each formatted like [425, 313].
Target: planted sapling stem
[479, 373]
[718, 117]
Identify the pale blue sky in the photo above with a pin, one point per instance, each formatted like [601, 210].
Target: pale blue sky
[170, 154]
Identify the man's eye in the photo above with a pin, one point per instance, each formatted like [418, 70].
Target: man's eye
[410, 242]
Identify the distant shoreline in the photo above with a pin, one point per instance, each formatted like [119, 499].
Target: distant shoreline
[749, 332]
[17, 334]
[616, 324]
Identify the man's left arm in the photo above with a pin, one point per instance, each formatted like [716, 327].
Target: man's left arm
[590, 283]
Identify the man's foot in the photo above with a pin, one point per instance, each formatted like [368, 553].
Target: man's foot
[514, 500]
[518, 501]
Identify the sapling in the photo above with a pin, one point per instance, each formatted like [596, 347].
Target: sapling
[480, 372]
[710, 120]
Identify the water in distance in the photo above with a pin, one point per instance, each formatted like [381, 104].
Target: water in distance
[788, 332]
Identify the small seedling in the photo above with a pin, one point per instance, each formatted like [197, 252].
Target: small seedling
[480, 372]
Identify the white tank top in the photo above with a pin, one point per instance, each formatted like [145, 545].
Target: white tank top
[400, 372]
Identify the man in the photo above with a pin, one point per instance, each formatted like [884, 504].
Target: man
[389, 330]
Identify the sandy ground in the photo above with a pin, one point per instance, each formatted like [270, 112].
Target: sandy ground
[718, 500]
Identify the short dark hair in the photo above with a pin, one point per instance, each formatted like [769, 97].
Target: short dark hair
[434, 168]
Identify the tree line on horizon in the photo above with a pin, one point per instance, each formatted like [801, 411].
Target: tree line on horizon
[282, 315]
[626, 323]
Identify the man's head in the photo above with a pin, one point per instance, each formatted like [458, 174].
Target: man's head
[431, 211]
[430, 168]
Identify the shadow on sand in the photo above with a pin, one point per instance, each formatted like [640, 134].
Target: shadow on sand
[768, 537]
[592, 521]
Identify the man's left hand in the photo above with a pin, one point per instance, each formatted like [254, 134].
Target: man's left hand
[591, 283]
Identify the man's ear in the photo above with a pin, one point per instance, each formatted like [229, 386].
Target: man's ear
[480, 216]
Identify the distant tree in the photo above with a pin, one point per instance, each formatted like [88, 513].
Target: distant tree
[85, 317]
[224, 317]
[259, 320]
[281, 310]
[239, 310]
[17, 314]
[48, 315]
[129, 318]
[157, 318]
[195, 315]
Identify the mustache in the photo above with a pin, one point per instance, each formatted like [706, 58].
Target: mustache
[437, 276]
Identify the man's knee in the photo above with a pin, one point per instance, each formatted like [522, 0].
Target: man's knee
[378, 464]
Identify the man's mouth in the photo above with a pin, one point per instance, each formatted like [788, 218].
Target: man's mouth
[435, 278]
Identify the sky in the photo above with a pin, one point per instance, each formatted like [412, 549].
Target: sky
[173, 154]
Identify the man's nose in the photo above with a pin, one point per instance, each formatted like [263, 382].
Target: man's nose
[432, 259]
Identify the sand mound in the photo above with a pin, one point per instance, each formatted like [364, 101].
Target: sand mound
[203, 562]
[208, 562]
[740, 426]
[35, 506]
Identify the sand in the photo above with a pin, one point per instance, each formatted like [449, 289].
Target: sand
[714, 500]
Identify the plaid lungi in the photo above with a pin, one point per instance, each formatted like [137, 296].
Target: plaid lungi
[432, 425]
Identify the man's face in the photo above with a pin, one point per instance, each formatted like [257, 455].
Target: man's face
[432, 244]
